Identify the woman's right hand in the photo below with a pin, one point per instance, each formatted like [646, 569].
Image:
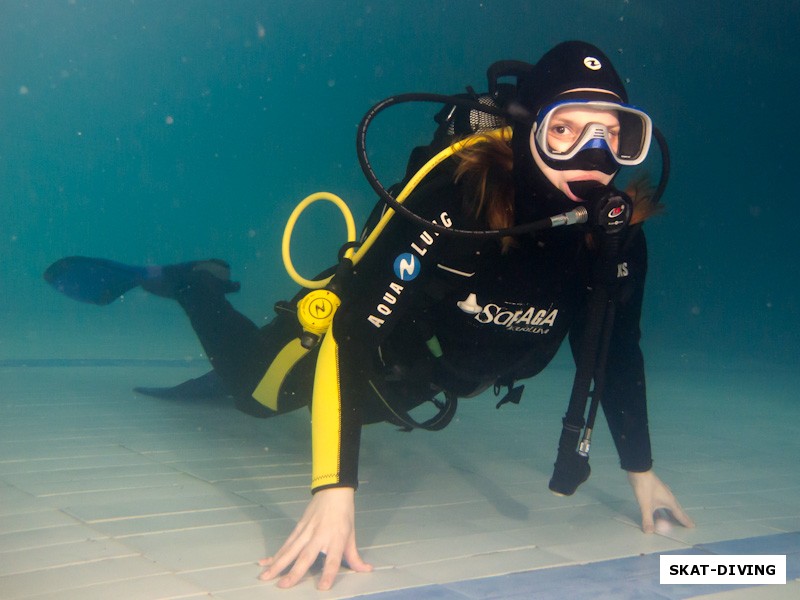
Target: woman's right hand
[328, 526]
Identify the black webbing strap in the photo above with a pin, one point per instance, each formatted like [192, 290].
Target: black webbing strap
[447, 410]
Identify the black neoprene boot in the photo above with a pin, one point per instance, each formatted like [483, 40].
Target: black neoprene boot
[171, 281]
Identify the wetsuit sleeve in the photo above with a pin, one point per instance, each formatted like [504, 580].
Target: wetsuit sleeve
[381, 289]
[335, 420]
[625, 400]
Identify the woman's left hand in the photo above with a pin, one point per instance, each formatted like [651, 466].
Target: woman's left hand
[652, 495]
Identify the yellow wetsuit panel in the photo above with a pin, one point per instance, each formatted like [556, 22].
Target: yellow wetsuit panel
[269, 387]
[326, 416]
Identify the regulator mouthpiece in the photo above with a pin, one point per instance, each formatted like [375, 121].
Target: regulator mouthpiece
[582, 189]
[610, 210]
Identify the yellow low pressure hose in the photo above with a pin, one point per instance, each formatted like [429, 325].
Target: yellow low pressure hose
[504, 133]
[355, 256]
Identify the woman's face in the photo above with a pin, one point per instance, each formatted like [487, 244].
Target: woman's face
[565, 128]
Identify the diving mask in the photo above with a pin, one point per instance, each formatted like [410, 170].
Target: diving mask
[591, 135]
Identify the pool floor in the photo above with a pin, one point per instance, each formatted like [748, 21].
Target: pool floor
[105, 493]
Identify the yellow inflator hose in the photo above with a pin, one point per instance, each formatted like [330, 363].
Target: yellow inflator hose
[355, 256]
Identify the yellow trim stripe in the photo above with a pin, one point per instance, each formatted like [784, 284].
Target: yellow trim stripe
[326, 416]
[269, 387]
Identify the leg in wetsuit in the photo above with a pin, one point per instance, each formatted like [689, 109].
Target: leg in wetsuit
[241, 353]
[238, 350]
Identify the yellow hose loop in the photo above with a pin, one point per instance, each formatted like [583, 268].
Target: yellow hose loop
[503, 133]
[287, 236]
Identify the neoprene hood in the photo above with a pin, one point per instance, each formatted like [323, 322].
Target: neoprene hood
[572, 65]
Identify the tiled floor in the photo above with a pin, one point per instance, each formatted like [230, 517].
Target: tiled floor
[107, 494]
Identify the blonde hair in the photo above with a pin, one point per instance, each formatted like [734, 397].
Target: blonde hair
[486, 170]
[640, 189]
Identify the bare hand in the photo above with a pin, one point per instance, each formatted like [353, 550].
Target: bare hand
[652, 495]
[327, 526]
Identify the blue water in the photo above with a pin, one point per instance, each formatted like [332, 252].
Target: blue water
[152, 132]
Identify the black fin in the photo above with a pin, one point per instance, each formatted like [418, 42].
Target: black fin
[207, 386]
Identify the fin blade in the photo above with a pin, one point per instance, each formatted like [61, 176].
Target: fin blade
[93, 280]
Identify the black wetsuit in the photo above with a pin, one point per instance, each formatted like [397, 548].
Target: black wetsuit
[498, 318]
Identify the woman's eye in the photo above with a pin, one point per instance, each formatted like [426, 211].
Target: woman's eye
[560, 129]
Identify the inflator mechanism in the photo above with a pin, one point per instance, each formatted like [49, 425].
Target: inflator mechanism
[315, 312]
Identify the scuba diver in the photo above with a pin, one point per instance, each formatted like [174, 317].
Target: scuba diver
[516, 241]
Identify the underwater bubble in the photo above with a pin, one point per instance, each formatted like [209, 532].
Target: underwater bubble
[23, 90]
[169, 120]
